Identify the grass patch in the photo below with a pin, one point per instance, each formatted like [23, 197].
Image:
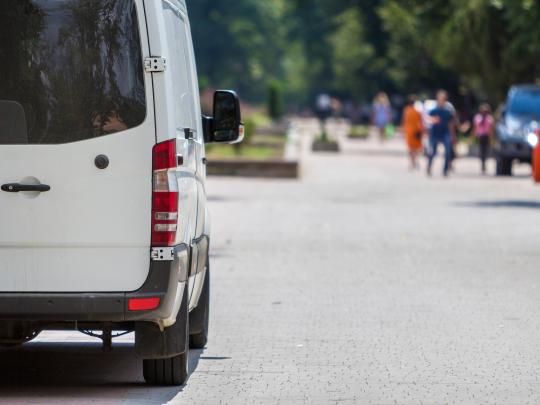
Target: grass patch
[245, 152]
[270, 140]
[259, 118]
[359, 132]
[324, 139]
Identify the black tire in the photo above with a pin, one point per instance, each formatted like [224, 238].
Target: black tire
[172, 371]
[166, 372]
[199, 318]
[504, 166]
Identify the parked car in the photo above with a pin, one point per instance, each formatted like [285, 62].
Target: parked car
[515, 132]
[105, 227]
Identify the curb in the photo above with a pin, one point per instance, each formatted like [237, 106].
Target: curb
[281, 169]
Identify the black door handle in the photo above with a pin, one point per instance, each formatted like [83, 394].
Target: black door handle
[16, 187]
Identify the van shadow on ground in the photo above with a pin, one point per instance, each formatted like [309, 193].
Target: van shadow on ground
[79, 372]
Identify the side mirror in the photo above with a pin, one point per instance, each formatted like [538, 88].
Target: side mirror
[226, 124]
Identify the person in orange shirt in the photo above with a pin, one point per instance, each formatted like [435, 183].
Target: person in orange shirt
[413, 128]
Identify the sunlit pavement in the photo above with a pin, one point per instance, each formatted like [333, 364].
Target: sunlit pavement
[361, 283]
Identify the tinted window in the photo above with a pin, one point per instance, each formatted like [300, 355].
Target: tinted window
[525, 102]
[71, 70]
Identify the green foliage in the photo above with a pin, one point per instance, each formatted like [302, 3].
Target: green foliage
[359, 132]
[485, 45]
[354, 48]
[275, 100]
[411, 66]
[239, 43]
[353, 62]
[324, 138]
[248, 152]
[259, 117]
[250, 129]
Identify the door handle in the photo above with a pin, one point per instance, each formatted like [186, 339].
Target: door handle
[16, 187]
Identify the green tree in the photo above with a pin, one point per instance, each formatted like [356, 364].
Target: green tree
[412, 66]
[353, 48]
[275, 100]
[485, 45]
[354, 60]
[239, 43]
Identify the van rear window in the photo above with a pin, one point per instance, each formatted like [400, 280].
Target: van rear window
[71, 70]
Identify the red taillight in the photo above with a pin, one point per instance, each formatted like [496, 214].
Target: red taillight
[165, 195]
[164, 155]
[164, 218]
[143, 304]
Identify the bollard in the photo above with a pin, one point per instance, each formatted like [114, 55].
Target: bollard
[536, 161]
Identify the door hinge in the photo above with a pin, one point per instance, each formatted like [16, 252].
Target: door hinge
[162, 254]
[189, 133]
[155, 64]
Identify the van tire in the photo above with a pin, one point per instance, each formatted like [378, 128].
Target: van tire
[200, 316]
[172, 371]
[166, 372]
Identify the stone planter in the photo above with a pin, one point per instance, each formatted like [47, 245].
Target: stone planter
[322, 146]
[281, 169]
[358, 137]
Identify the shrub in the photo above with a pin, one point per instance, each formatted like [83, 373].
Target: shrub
[275, 100]
[359, 131]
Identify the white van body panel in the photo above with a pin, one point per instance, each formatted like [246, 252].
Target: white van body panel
[177, 91]
[171, 117]
[91, 231]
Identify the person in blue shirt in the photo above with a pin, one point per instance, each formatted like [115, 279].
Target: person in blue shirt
[442, 121]
[382, 114]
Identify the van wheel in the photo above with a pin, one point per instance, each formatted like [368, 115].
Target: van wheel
[166, 372]
[199, 317]
[171, 371]
[504, 166]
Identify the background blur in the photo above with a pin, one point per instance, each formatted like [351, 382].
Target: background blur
[354, 48]
[341, 273]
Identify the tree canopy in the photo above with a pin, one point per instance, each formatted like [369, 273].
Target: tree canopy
[354, 48]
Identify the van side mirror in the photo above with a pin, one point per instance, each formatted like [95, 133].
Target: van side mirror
[226, 124]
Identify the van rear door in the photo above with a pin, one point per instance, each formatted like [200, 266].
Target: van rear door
[76, 115]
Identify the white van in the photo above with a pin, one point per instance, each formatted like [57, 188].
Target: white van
[104, 224]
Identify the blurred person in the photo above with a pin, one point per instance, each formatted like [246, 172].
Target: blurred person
[413, 127]
[336, 107]
[442, 130]
[484, 125]
[453, 134]
[365, 113]
[324, 110]
[381, 114]
[350, 111]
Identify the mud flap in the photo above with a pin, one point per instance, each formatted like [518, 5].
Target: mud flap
[152, 343]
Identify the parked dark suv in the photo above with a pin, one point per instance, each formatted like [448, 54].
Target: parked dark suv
[519, 119]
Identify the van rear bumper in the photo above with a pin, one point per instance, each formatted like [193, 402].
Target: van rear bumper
[163, 281]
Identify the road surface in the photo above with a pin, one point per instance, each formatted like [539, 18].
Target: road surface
[361, 283]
